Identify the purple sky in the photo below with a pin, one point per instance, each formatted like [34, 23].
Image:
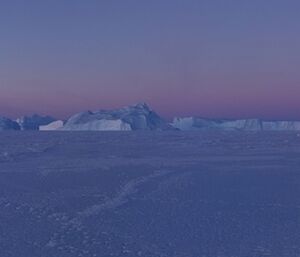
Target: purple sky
[210, 58]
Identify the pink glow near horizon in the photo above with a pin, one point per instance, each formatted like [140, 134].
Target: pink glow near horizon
[203, 58]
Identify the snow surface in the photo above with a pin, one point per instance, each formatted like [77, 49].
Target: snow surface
[150, 194]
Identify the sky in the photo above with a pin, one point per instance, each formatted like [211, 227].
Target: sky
[209, 58]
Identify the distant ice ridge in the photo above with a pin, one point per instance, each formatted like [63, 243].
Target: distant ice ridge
[55, 125]
[281, 125]
[34, 122]
[193, 123]
[136, 117]
[8, 124]
[140, 117]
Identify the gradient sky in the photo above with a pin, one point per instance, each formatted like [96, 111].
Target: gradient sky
[213, 58]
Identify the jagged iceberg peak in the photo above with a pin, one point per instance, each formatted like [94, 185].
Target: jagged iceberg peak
[142, 105]
[34, 121]
[139, 108]
[8, 124]
[133, 117]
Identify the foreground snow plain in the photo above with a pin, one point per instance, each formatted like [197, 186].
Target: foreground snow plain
[179, 194]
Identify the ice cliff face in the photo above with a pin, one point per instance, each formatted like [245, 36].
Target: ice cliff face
[245, 124]
[7, 124]
[137, 117]
[34, 122]
[192, 123]
[98, 125]
[281, 125]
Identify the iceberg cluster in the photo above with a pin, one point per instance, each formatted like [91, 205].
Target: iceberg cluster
[140, 117]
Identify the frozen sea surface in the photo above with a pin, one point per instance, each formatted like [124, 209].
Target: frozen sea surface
[202, 194]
